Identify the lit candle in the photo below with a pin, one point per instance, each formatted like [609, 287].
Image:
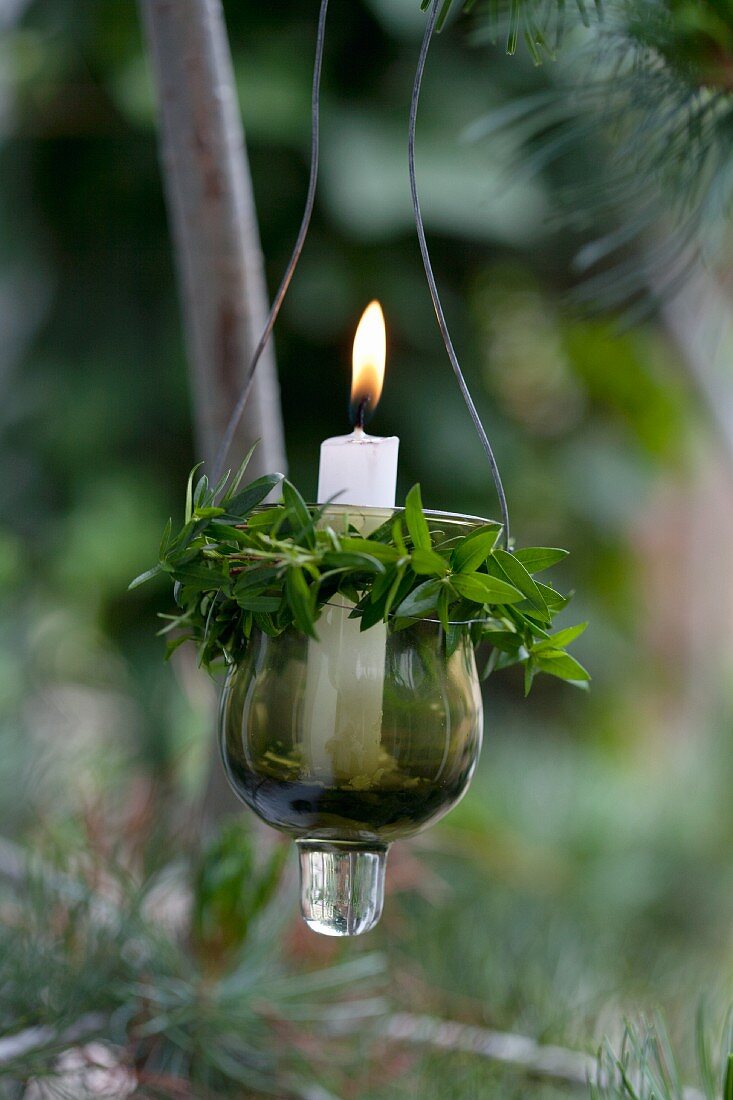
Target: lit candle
[345, 676]
[360, 468]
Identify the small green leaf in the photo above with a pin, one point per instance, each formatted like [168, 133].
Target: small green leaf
[728, 1086]
[200, 492]
[516, 573]
[382, 585]
[482, 589]
[255, 577]
[263, 620]
[208, 513]
[529, 675]
[241, 505]
[443, 602]
[300, 600]
[395, 593]
[173, 645]
[225, 531]
[507, 660]
[379, 550]
[417, 525]
[473, 551]
[455, 634]
[428, 562]
[561, 664]
[166, 539]
[338, 559]
[302, 519]
[420, 601]
[397, 537]
[561, 639]
[199, 577]
[236, 481]
[189, 493]
[219, 486]
[266, 517]
[372, 613]
[536, 558]
[257, 602]
[554, 600]
[146, 576]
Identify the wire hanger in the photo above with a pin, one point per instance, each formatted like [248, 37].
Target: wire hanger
[424, 251]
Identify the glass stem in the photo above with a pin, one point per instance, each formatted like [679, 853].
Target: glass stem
[341, 886]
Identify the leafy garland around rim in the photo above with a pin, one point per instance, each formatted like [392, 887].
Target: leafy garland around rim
[236, 566]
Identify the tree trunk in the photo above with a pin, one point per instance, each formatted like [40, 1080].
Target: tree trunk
[217, 247]
[214, 226]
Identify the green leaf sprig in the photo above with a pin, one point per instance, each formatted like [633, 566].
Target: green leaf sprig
[237, 564]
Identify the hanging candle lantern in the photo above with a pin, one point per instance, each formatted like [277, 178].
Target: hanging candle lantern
[359, 737]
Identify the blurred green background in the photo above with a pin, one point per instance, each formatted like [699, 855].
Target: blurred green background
[587, 875]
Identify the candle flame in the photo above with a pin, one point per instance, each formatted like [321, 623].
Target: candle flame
[368, 359]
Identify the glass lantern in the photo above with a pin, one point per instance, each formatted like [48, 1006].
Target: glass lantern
[353, 740]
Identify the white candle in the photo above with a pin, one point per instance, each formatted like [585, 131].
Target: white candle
[359, 469]
[345, 675]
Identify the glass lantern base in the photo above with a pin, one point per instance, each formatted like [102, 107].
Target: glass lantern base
[341, 886]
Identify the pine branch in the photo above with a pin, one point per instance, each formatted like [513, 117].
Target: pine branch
[539, 24]
[649, 90]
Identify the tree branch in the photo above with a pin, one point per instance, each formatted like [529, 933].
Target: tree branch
[34, 1040]
[553, 1063]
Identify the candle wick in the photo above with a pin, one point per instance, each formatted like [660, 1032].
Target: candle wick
[361, 413]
